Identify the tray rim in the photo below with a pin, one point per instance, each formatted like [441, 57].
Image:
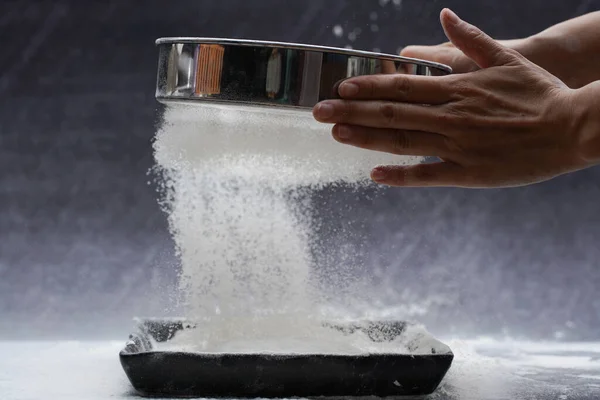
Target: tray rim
[142, 330]
[282, 356]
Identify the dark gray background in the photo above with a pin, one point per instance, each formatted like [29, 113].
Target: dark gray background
[84, 246]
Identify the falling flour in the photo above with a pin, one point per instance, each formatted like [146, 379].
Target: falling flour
[235, 186]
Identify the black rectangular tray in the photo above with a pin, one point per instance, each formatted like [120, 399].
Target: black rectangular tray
[180, 374]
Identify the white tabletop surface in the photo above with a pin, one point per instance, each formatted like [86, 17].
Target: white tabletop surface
[482, 370]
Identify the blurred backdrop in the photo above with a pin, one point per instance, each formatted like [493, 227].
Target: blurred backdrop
[84, 246]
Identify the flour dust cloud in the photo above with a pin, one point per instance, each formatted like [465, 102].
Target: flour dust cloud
[237, 184]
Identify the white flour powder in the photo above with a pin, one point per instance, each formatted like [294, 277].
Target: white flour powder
[235, 181]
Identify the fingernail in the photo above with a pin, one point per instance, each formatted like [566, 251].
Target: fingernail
[378, 174]
[343, 132]
[348, 89]
[324, 111]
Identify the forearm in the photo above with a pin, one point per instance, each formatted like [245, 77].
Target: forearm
[569, 50]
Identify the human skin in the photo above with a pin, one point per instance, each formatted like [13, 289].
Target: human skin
[570, 51]
[502, 120]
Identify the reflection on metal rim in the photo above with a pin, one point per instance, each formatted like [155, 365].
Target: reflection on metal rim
[261, 73]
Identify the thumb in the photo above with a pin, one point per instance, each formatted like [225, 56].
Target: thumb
[474, 43]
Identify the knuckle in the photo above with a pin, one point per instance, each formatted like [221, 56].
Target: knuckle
[371, 88]
[476, 33]
[450, 117]
[511, 52]
[423, 173]
[346, 110]
[464, 89]
[514, 55]
[401, 141]
[454, 148]
[457, 111]
[367, 140]
[389, 113]
[402, 86]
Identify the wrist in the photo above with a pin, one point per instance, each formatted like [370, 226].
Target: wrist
[586, 122]
[547, 51]
[560, 54]
[538, 49]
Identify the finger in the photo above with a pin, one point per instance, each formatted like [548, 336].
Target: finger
[382, 114]
[474, 43]
[445, 54]
[398, 87]
[394, 141]
[439, 53]
[440, 174]
[388, 67]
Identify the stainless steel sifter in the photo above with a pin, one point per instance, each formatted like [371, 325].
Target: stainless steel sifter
[259, 73]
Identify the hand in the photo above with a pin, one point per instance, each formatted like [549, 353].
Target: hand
[448, 54]
[569, 50]
[509, 123]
